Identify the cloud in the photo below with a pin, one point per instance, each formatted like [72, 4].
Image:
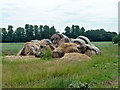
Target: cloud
[91, 14]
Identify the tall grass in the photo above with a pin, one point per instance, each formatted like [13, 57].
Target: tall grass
[59, 74]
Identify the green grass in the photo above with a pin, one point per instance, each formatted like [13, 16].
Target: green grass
[57, 74]
[11, 48]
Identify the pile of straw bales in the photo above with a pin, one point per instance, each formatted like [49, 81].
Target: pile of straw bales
[59, 45]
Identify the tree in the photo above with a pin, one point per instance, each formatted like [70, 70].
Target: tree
[82, 31]
[30, 32]
[67, 31]
[27, 31]
[73, 31]
[36, 32]
[46, 32]
[41, 32]
[77, 31]
[4, 35]
[100, 35]
[19, 35]
[10, 33]
[52, 31]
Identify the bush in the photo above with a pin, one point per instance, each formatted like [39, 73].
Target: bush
[46, 54]
[116, 39]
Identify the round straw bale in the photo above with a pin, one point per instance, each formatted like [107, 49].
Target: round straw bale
[65, 48]
[87, 41]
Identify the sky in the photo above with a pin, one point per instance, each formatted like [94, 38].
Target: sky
[90, 14]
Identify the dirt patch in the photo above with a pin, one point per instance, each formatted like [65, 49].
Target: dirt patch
[75, 57]
[20, 58]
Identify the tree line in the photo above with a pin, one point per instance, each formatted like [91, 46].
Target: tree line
[32, 32]
[28, 33]
[93, 35]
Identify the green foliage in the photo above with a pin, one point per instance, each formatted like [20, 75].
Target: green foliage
[100, 35]
[10, 34]
[4, 34]
[46, 54]
[79, 84]
[74, 31]
[19, 35]
[36, 31]
[93, 35]
[30, 32]
[116, 39]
